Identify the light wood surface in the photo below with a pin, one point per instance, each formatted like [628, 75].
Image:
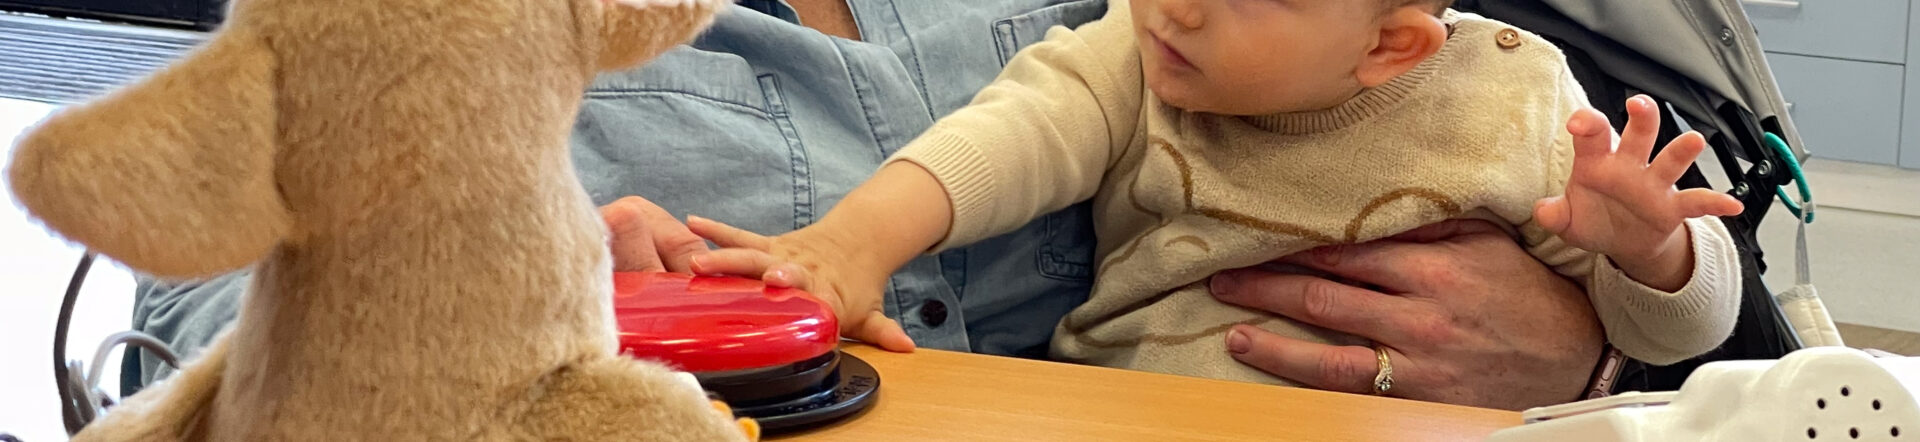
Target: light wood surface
[937, 395]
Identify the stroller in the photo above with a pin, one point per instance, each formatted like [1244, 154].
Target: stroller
[1702, 59]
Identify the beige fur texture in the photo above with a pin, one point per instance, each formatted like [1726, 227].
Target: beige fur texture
[426, 265]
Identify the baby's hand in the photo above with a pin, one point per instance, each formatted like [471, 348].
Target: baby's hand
[809, 262]
[1619, 205]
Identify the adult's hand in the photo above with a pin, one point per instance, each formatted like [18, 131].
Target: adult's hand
[645, 238]
[1466, 315]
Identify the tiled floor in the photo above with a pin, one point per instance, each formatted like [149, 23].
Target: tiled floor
[1864, 243]
[1891, 341]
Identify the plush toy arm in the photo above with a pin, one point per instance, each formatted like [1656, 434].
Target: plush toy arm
[639, 30]
[172, 175]
[170, 410]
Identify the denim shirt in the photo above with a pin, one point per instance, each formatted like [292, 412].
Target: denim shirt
[764, 124]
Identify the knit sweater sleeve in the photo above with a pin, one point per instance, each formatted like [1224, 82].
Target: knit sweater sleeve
[1042, 135]
[1647, 324]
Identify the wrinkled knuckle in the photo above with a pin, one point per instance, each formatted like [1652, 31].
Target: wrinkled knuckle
[1320, 300]
[686, 244]
[1337, 370]
[1434, 271]
[1443, 276]
[1430, 328]
[1327, 256]
[1431, 261]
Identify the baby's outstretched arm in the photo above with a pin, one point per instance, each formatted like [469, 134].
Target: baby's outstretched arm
[846, 258]
[1619, 205]
[1038, 139]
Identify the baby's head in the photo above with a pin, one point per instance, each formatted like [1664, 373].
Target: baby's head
[1256, 57]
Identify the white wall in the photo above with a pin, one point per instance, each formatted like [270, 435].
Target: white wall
[34, 269]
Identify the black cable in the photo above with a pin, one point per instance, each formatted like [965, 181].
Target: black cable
[70, 413]
[81, 401]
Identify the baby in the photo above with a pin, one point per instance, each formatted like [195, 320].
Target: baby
[1214, 135]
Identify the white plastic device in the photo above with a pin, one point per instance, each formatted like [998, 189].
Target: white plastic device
[1814, 394]
[688, 381]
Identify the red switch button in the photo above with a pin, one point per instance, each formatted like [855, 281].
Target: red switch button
[711, 324]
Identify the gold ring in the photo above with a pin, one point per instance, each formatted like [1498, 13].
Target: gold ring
[1383, 382]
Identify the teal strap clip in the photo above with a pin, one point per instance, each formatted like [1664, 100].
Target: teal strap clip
[1799, 178]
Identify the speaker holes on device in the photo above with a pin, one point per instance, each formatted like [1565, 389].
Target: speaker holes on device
[1896, 431]
[1854, 432]
[1812, 434]
[1876, 405]
[1844, 391]
[1822, 403]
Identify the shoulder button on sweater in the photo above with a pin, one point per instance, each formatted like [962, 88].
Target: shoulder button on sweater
[1507, 38]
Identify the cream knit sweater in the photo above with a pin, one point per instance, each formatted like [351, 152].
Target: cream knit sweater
[1475, 131]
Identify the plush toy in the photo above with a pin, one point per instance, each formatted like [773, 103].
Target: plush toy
[425, 264]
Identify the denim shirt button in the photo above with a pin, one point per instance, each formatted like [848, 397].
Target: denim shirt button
[933, 313]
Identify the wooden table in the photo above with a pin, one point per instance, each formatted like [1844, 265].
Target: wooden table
[940, 395]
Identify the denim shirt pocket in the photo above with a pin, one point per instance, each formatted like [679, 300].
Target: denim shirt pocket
[696, 132]
[1066, 252]
[1014, 33]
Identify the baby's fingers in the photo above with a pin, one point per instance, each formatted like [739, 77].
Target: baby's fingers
[1592, 136]
[725, 235]
[871, 327]
[1553, 214]
[1694, 203]
[882, 331]
[1643, 126]
[1679, 155]
[788, 275]
[747, 263]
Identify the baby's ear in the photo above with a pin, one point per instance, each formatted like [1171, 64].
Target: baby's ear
[639, 30]
[172, 175]
[1408, 36]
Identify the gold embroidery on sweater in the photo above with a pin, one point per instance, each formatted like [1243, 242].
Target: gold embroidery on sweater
[1186, 171]
[1133, 198]
[1132, 246]
[1190, 239]
[1446, 205]
[1351, 235]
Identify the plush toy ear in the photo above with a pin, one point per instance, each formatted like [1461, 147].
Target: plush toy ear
[638, 30]
[172, 175]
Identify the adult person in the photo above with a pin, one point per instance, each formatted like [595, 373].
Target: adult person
[774, 114]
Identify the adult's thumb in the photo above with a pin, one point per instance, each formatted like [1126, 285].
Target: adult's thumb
[884, 332]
